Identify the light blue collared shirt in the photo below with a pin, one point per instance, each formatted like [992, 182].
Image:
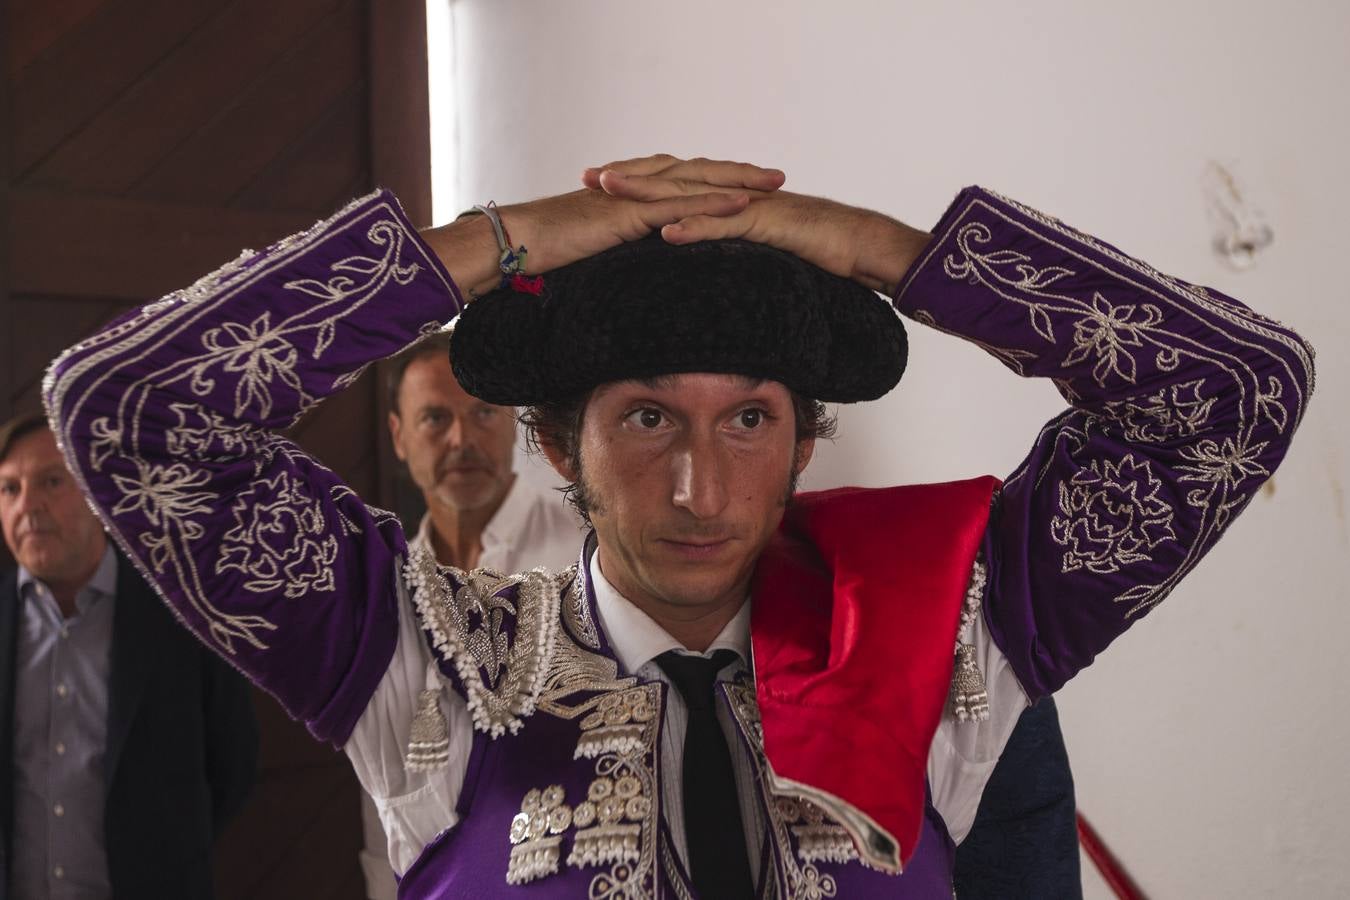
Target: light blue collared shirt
[60, 731]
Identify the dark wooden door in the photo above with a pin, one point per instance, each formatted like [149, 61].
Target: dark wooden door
[145, 143]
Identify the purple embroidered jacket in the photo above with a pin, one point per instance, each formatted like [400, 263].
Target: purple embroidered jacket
[1182, 401]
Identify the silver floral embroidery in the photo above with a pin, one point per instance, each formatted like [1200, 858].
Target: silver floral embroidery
[257, 353]
[1229, 462]
[342, 285]
[818, 840]
[1269, 406]
[536, 835]
[1108, 332]
[503, 676]
[484, 610]
[1248, 320]
[619, 723]
[1224, 466]
[622, 882]
[578, 608]
[203, 434]
[280, 539]
[617, 821]
[814, 885]
[1025, 276]
[1102, 330]
[1178, 411]
[107, 441]
[165, 496]
[968, 698]
[1111, 515]
[609, 821]
[615, 825]
[1104, 523]
[263, 353]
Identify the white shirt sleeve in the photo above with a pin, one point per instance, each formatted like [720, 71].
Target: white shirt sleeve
[964, 754]
[414, 807]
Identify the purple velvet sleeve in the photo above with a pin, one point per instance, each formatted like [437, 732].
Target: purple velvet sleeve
[167, 417]
[1182, 402]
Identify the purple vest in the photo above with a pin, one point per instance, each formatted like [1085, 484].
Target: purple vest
[562, 794]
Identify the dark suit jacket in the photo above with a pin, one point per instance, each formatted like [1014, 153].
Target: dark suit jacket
[181, 753]
[1024, 842]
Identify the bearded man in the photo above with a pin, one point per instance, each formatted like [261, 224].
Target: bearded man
[730, 695]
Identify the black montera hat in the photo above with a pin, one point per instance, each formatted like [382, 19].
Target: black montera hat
[650, 308]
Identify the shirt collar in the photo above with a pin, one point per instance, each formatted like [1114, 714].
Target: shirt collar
[103, 583]
[637, 639]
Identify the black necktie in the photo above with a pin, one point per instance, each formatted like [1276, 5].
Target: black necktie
[712, 810]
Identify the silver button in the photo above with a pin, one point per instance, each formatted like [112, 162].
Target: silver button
[62, 690]
[59, 872]
[59, 810]
[60, 749]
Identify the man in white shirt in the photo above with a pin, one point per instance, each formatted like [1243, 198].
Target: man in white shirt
[460, 453]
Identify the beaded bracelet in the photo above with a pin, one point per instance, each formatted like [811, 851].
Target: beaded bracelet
[510, 261]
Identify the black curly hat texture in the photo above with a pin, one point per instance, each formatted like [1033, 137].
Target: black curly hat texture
[650, 308]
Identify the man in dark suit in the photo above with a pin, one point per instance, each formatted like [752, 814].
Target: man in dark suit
[124, 744]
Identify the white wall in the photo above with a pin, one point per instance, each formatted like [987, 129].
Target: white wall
[1209, 744]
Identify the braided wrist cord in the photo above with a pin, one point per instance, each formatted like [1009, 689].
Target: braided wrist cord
[511, 260]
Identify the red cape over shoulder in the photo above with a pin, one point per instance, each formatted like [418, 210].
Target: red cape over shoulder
[856, 606]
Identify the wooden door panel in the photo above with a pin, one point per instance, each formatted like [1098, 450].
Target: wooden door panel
[282, 105]
[148, 142]
[179, 94]
[80, 245]
[88, 67]
[323, 168]
[43, 326]
[33, 26]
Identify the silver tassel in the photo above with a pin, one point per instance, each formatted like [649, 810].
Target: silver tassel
[969, 699]
[429, 742]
